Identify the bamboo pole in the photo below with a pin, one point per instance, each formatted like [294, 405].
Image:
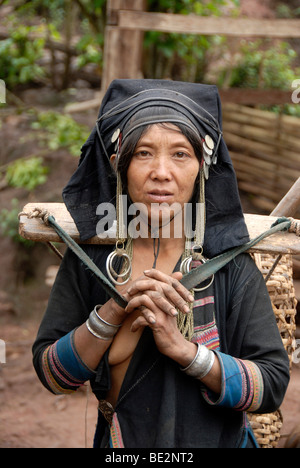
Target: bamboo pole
[289, 205]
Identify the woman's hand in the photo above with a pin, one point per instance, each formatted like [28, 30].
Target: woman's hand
[160, 290]
[157, 296]
[153, 289]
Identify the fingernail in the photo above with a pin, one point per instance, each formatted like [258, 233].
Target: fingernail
[186, 309]
[191, 298]
[174, 312]
[152, 320]
[146, 272]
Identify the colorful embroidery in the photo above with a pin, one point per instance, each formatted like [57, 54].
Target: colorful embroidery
[206, 333]
[257, 384]
[50, 379]
[116, 439]
[60, 370]
[63, 369]
[204, 301]
[242, 385]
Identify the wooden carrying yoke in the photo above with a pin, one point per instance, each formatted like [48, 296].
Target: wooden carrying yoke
[273, 256]
[34, 229]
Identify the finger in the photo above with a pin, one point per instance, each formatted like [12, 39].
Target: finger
[138, 323]
[166, 304]
[148, 315]
[162, 293]
[177, 275]
[141, 285]
[173, 281]
[152, 301]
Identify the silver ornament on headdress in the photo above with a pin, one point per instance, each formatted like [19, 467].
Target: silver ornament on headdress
[209, 154]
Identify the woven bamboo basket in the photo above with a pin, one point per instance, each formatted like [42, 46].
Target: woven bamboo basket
[278, 272]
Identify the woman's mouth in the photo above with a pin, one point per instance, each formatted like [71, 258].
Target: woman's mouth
[160, 196]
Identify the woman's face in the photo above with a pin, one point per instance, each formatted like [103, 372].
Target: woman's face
[163, 170]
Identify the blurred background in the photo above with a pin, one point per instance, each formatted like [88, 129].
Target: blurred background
[55, 62]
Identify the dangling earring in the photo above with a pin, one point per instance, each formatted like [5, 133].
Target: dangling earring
[194, 250]
[194, 247]
[120, 252]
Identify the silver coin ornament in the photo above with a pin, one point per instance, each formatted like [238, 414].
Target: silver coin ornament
[208, 154]
[115, 135]
[209, 142]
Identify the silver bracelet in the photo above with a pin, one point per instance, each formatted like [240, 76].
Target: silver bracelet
[99, 328]
[201, 364]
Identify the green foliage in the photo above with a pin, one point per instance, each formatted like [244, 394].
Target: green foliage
[76, 24]
[9, 224]
[261, 67]
[52, 10]
[91, 50]
[61, 131]
[19, 55]
[285, 11]
[182, 56]
[26, 173]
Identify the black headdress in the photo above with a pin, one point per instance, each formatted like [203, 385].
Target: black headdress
[94, 181]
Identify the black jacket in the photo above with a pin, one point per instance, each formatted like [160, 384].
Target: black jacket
[159, 406]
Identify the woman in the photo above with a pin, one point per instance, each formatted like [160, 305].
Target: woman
[174, 368]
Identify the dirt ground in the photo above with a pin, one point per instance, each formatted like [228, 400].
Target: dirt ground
[30, 416]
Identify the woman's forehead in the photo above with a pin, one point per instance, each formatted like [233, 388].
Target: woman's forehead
[162, 128]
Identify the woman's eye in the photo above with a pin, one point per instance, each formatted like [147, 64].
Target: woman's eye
[142, 154]
[181, 155]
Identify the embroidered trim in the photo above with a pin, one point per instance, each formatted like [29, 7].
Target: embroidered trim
[58, 379]
[50, 379]
[116, 438]
[60, 370]
[207, 335]
[242, 385]
[246, 389]
[203, 301]
[258, 385]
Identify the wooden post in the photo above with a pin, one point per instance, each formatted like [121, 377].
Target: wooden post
[290, 203]
[123, 47]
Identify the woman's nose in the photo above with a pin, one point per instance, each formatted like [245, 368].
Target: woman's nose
[161, 169]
